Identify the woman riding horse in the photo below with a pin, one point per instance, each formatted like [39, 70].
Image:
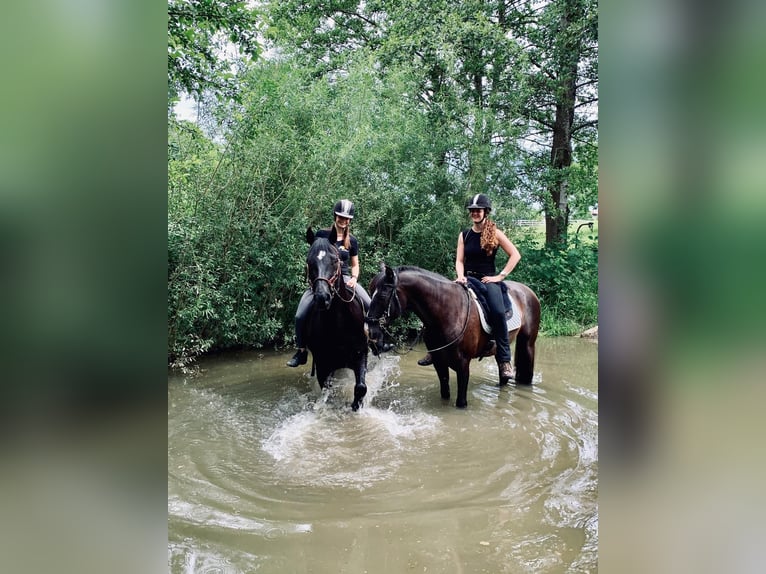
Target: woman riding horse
[452, 326]
[347, 245]
[476, 250]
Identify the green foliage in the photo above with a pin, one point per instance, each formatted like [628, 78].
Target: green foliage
[566, 281]
[583, 180]
[238, 213]
[200, 32]
[405, 109]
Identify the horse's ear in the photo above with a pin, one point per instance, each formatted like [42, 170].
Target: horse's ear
[390, 276]
[310, 235]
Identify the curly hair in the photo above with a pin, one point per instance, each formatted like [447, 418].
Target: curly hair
[489, 240]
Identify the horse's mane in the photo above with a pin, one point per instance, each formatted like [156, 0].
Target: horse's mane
[429, 274]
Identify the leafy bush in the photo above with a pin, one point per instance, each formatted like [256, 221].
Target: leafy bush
[566, 281]
[238, 211]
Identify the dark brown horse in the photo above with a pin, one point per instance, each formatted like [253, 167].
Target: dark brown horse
[335, 332]
[453, 332]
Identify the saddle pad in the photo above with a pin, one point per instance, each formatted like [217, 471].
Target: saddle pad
[513, 323]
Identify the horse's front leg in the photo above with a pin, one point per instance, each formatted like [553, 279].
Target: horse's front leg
[463, 373]
[442, 371]
[323, 373]
[360, 387]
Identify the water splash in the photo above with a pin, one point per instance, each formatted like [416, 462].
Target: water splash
[325, 444]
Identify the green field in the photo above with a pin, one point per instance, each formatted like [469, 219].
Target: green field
[536, 230]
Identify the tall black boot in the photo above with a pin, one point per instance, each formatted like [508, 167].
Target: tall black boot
[299, 358]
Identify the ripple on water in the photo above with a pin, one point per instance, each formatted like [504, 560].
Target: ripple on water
[254, 465]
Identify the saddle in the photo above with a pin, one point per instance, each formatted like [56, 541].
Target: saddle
[478, 292]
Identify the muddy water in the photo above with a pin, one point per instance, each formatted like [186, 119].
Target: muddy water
[268, 474]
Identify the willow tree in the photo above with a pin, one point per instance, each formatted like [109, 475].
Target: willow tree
[469, 69]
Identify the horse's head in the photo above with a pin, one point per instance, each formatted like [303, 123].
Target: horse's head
[385, 305]
[324, 271]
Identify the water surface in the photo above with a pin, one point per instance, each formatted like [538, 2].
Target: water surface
[268, 474]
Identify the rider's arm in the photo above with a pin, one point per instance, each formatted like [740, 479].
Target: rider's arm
[459, 268]
[513, 253]
[355, 268]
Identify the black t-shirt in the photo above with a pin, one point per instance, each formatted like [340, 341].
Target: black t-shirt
[476, 262]
[345, 254]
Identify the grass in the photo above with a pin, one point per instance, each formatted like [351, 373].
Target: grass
[537, 231]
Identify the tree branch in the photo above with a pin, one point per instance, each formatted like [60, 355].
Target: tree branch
[583, 125]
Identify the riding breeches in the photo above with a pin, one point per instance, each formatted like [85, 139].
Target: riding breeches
[497, 322]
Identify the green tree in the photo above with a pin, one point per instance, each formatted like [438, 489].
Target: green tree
[238, 210]
[200, 33]
[510, 89]
[404, 108]
[563, 51]
[467, 69]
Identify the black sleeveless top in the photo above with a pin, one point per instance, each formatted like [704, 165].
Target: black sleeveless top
[345, 254]
[476, 262]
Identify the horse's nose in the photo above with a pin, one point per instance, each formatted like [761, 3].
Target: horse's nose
[374, 334]
[324, 299]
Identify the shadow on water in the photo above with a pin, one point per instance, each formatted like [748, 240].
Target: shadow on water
[266, 473]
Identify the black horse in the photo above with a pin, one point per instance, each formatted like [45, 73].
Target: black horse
[335, 332]
[453, 332]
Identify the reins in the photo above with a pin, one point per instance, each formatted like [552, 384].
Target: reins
[465, 325]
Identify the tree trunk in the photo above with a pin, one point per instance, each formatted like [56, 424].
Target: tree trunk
[557, 212]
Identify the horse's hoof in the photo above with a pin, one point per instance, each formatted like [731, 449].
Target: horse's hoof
[461, 405]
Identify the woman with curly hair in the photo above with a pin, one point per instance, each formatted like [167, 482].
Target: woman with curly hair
[476, 250]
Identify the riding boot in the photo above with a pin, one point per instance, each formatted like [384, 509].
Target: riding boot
[505, 372]
[299, 358]
[304, 306]
[427, 360]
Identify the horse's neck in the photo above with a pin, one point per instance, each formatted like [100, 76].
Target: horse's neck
[427, 300]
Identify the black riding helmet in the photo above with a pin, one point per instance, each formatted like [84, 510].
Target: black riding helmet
[344, 208]
[480, 201]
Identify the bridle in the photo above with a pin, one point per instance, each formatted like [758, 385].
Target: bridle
[331, 281]
[386, 315]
